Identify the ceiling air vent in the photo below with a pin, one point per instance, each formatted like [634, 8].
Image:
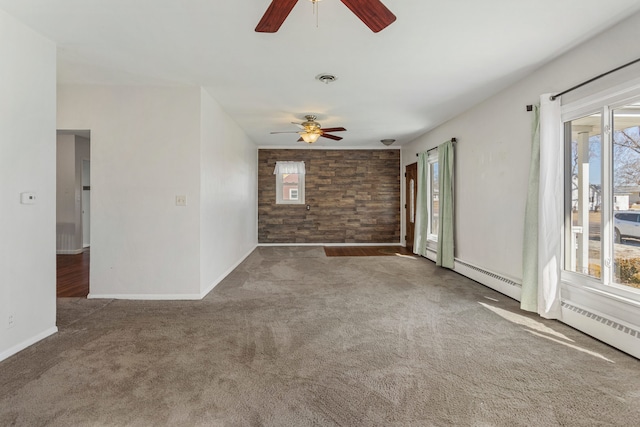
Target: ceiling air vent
[326, 78]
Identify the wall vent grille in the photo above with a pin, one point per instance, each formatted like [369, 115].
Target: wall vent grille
[608, 322]
[490, 274]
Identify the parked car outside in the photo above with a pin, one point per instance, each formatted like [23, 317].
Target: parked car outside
[626, 224]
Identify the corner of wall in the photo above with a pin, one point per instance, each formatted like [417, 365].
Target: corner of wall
[27, 164]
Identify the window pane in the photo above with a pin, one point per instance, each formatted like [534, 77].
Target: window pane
[584, 254]
[290, 186]
[434, 212]
[626, 195]
[412, 203]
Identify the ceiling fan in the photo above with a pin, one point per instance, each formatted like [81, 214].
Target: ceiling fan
[312, 130]
[373, 13]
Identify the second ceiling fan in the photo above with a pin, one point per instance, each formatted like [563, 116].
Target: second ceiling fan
[373, 13]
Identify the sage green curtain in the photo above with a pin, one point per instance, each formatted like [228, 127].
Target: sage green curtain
[445, 255]
[529, 296]
[422, 207]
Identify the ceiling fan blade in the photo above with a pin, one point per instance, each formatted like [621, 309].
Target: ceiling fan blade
[373, 13]
[300, 139]
[292, 131]
[298, 124]
[335, 138]
[275, 15]
[333, 129]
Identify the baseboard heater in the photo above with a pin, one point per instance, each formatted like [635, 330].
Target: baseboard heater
[495, 281]
[513, 289]
[614, 332]
[602, 319]
[598, 325]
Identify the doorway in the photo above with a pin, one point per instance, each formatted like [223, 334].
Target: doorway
[73, 214]
[411, 192]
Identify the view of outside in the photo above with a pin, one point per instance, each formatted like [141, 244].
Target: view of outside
[290, 186]
[434, 211]
[626, 181]
[587, 217]
[586, 185]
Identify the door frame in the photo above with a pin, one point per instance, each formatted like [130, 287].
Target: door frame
[410, 172]
[86, 203]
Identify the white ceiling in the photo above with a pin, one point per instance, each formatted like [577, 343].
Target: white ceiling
[438, 59]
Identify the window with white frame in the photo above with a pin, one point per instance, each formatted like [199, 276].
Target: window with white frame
[602, 195]
[289, 183]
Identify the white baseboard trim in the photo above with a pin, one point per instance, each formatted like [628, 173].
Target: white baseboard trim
[215, 283]
[69, 251]
[330, 244]
[177, 297]
[27, 343]
[498, 282]
[150, 297]
[431, 255]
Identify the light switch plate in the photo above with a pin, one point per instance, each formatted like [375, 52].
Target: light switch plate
[181, 200]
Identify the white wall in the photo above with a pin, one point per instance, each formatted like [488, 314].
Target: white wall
[27, 164]
[148, 145]
[145, 144]
[228, 222]
[493, 152]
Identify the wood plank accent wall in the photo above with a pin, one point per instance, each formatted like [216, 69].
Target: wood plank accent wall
[354, 197]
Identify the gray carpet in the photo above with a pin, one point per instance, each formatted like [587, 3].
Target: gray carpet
[295, 338]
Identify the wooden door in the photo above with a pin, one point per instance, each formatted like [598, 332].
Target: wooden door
[411, 192]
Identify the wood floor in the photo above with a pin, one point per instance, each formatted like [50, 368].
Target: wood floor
[72, 275]
[366, 250]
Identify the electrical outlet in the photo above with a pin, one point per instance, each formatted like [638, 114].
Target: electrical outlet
[11, 322]
[181, 200]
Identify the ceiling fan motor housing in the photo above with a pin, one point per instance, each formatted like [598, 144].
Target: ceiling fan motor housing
[311, 125]
[312, 130]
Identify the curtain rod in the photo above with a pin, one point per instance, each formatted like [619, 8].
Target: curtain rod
[553, 97]
[431, 149]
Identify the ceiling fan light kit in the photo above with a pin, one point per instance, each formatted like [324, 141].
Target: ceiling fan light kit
[309, 137]
[372, 13]
[312, 130]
